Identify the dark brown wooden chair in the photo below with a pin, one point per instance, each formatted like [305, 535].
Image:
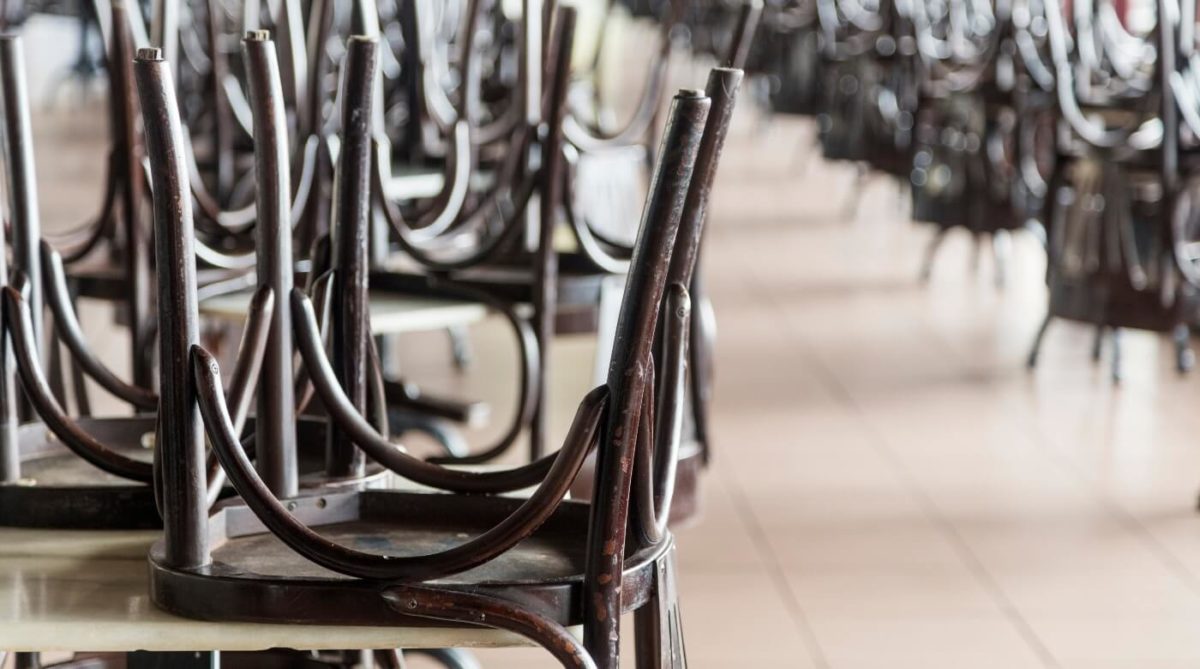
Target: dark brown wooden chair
[64, 471]
[532, 566]
[565, 288]
[1116, 195]
[57, 471]
[108, 256]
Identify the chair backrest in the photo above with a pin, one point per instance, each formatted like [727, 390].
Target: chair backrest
[664, 256]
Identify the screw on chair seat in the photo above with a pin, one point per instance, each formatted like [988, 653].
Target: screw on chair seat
[65, 471]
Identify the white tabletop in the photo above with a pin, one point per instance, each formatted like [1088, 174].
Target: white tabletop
[390, 313]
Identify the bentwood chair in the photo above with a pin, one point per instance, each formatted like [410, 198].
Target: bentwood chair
[65, 471]
[732, 49]
[478, 238]
[788, 52]
[1115, 193]
[965, 171]
[469, 556]
[58, 471]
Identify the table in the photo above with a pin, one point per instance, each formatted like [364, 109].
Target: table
[87, 591]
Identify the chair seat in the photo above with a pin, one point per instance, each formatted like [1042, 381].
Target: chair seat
[255, 577]
[1114, 303]
[59, 489]
[513, 279]
[47, 462]
[72, 590]
[542, 557]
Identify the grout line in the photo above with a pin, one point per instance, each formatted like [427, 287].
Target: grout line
[931, 509]
[762, 545]
[946, 525]
[1124, 517]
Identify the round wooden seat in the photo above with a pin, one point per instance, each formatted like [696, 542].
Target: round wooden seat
[59, 489]
[253, 573]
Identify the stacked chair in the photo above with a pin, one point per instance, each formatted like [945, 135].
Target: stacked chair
[1065, 119]
[1113, 252]
[346, 155]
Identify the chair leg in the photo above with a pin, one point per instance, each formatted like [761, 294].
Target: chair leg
[460, 346]
[854, 197]
[390, 659]
[701, 345]
[805, 156]
[55, 366]
[931, 252]
[1185, 358]
[761, 92]
[658, 626]
[976, 252]
[1035, 228]
[1097, 343]
[1036, 349]
[647, 639]
[1001, 253]
[1116, 356]
[83, 403]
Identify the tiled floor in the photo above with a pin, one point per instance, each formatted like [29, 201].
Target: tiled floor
[891, 487]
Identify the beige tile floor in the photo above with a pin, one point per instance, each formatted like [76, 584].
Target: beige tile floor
[891, 487]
